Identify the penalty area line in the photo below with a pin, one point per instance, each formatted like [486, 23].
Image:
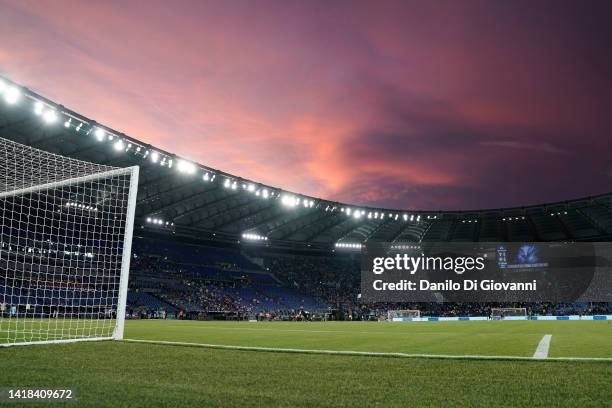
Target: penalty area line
[358, 353]
[543, 347]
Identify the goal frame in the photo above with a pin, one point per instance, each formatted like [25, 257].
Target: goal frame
[418, 314]
[133, 172]
[502, 316]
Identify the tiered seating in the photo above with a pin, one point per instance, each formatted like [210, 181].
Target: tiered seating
[137, 299]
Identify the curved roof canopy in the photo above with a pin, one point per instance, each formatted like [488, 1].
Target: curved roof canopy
[182, 197]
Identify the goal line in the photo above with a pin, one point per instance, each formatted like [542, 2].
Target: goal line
[362, 353]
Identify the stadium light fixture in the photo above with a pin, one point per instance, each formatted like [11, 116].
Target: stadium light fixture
[67, 123]
[186, 167]
[254, 237]
[119, 145]
[50, 117]
[12, 95]
[348, 245]
[99, 133]
[290, 200]
[265, 193]
[38, 108]
[154, 157]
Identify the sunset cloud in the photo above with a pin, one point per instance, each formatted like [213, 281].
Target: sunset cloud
[442, 105]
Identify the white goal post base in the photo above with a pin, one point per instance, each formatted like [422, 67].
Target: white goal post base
[65, 247]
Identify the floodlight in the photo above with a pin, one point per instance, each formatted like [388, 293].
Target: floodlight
[118, 145]
[50, 116]
[68, 122]
[289, 200]
[99, 133]
[12, 95]
[264, 193]
[38, 108]
[186, 167]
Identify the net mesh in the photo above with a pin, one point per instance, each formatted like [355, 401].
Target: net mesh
[392, 314]
[508, 311]
[62, 234]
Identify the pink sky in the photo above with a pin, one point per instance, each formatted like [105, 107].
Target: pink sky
[421, 105]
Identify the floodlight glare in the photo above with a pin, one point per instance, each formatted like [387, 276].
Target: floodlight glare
[38, 108]
[118, 145]
[50, 117]
[99, 133]
[289, 200]
[186, 167]
[12, 95]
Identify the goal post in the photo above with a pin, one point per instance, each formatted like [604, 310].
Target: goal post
[499, 313]
[65, 246]
[404, 315]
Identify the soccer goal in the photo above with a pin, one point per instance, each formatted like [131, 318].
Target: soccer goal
[65, 243]
[508, 312]
[406, 315]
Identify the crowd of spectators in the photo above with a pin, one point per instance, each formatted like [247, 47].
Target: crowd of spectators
[333, 281]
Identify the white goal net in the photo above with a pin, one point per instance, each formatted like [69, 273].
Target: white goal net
[403, 314]
[503, 312]
[65, 238]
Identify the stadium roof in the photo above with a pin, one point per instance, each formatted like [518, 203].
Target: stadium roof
[181, 197]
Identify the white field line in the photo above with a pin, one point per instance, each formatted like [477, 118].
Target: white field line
[359, 353]
[543, 346]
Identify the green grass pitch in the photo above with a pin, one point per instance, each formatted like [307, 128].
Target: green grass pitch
[117, 374]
